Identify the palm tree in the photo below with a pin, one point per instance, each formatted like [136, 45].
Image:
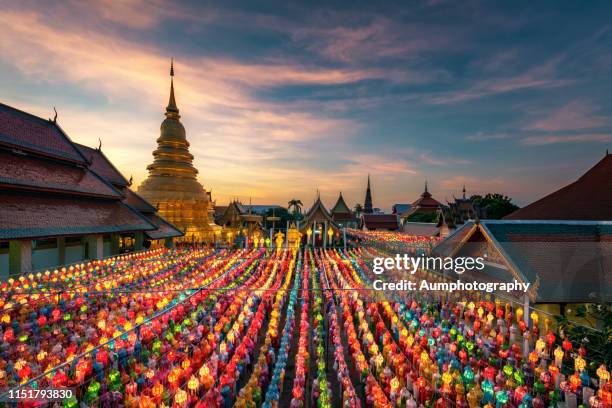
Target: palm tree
[358, 209]
[296, 205]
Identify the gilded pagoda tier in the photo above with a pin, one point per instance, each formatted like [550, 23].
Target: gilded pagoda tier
[172, 185]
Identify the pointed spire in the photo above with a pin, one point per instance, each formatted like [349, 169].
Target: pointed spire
[426, 187]
[367, 204]
[171, 108]
[464, 191]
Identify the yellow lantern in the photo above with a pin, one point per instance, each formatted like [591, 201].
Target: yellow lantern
[580, 364]
[603, 374]
[180, 397]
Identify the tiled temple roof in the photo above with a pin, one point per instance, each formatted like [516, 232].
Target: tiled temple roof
[22, 130]
[33, 173]
[102, 166]
[38, 216]
[588, 198]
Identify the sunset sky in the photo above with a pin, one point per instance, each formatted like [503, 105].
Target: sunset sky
[284, 99]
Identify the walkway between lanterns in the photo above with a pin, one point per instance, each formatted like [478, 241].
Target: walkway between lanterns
[287, 387]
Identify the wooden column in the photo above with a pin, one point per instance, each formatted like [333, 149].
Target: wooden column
[95, 247]
[20, 256]
[138, 241]
[61, 251]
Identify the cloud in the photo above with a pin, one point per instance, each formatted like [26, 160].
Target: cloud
[484, 136]
[576, 115]
[542, 76]
[441, 160]
[380, 38]
[550, 139]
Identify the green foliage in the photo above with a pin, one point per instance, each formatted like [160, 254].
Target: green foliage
[282, 213]
[595, 341]
[358, 209]
[496, 205]
[295, 206]
[423, 217]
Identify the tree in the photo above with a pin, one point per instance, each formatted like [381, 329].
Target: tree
[358, 210]
[423, 217]
[496, 206]
[296, 205]
[599, 316]
[281, 213]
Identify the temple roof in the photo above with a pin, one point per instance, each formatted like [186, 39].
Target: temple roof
[426, 201]
[565, 261]
[102, 165]
[340, 206]
[164, 228]
[32, 173]
[317, 212]
[588, 198]
[30, 133]
[38, 216]
[137, 202]
[380, 222]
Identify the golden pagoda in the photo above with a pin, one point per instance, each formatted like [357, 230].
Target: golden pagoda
[172, 185]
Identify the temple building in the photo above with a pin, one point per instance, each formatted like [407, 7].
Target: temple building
[342, 214]
[455, 214]
[172, 186]
[425, 208]
[240, 223]
[60, 202]
[560, 244]
[319, 228]
[379, 222]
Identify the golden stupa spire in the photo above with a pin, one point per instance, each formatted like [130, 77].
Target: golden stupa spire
[171, 108]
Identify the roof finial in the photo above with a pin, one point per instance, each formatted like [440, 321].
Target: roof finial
[99, 144]
[55, 117]
[426, 187]
[464, 191]
[172, 108]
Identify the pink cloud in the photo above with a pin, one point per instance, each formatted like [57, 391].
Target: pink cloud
[576, 115]
[380, 38]
[546, 140]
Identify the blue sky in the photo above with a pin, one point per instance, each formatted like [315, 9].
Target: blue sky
[284, 98]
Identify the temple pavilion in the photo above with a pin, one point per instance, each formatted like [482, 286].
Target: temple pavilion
[61, 203]
[319, 228]
[172, 185]
[424, 205]
[561, 244]
[342, 214]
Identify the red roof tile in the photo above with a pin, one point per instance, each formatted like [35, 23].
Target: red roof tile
[36, 216]
[588, 198]
[28, 132]
[343, 216]
[137, 202]
[164, 228]
[32, 173]
[102, 166]
[380, 221]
